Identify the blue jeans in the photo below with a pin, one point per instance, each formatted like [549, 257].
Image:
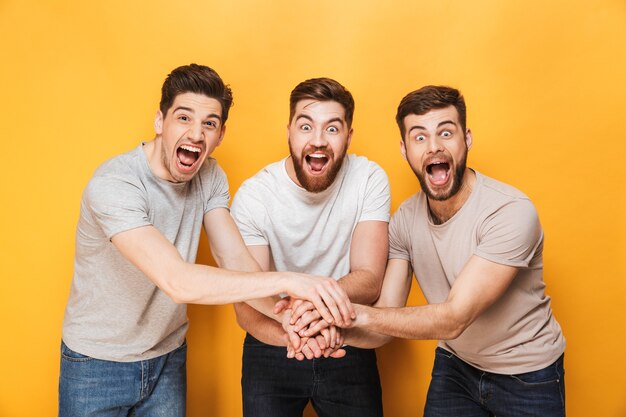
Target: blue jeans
[459, 389]
[94, 387]
[274, 386]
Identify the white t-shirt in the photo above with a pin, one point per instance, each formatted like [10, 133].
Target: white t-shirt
[311, 232]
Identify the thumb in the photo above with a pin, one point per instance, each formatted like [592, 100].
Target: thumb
[281, 305]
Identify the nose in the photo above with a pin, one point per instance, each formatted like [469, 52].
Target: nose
[195, 132]
[319, 139]
[434, 144]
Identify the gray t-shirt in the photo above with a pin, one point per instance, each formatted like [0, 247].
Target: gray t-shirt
[518, 333]
[311, 232]
[114, 311]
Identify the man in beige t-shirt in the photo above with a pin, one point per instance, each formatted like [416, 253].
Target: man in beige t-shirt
[475, 246]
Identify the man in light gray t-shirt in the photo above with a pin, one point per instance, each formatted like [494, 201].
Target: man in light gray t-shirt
[324, 212]
[141, 214]
[475, 246]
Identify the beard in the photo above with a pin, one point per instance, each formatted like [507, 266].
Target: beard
[317, 184]
[455, 186]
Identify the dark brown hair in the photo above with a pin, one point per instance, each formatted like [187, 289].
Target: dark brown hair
[429, 98]
[198, 79]
[322, 89]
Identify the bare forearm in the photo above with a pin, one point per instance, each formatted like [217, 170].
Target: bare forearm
[202, 284]
[362, 338]
[261, 327]
[433, 321]
[362, 286]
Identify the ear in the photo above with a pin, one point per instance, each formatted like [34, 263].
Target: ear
[403, 149]
[158, 122]
[468, 138]
[349, 139]
[221, 135]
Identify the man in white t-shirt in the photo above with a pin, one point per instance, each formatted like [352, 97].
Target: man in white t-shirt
[475, 246]
[123, 350]
[322, 212]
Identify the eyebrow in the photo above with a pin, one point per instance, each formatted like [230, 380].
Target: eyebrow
[445, 122]
[190, 110]
[305, 116]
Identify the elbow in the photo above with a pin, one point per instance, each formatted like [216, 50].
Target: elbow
[175, 288]
[177, 294]
[454, 328]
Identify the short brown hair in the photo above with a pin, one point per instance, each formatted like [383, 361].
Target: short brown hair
[322, 89]
[198, 79]
[429, 98]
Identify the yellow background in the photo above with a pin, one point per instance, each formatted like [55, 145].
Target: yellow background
[546, 91]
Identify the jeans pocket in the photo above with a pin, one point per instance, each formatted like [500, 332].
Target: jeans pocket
[547, 375]
[72, 356]
[443, 352]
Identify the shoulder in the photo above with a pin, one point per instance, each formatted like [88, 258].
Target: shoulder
[211, 171]
[408, 207]
[508, 211]
[361, 170]
[124, 169]
[260, 186]
[499, 189]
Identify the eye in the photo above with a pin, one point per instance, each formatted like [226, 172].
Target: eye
[210, 123]
[446, 133]
[420, 138]
[183, 118]
[305, 127]
[332, 129]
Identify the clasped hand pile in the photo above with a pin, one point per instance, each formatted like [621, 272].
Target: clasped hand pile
[309, 334]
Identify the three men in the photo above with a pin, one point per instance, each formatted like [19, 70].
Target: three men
[323, 212]
[123, 350]
[475, 246]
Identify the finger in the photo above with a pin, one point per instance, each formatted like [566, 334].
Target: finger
[326, 335]
[315, 348]
[339, 353]
[281, 306]
[327, 293]
[306, 351]
[333, 336]
[306, 319]
[342, 302]
[321, 342]
[300, 356]
[294, 339]
[300, 310]
[340, 337]
[315, 328]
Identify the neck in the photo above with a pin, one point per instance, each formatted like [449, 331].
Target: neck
[442, 211]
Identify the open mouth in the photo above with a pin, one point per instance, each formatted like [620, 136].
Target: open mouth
[188, 155]
[438, 172]
[316, 162]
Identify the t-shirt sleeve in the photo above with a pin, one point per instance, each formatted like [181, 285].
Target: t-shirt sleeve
[399, 242]
[377, 201]
[116, 204]
[249, 213]
[511, 235]
[217, 193]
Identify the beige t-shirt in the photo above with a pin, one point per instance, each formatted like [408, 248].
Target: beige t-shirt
[518, 333]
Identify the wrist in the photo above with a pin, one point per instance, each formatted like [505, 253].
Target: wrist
[363, 315]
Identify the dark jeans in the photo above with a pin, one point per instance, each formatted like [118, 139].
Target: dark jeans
[274, 386]
[148, 388]
[459, 389]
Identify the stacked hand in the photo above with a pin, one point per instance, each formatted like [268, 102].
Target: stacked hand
[309, 334]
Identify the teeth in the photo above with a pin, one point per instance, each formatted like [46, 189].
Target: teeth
[317, 155]
[190, 148]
